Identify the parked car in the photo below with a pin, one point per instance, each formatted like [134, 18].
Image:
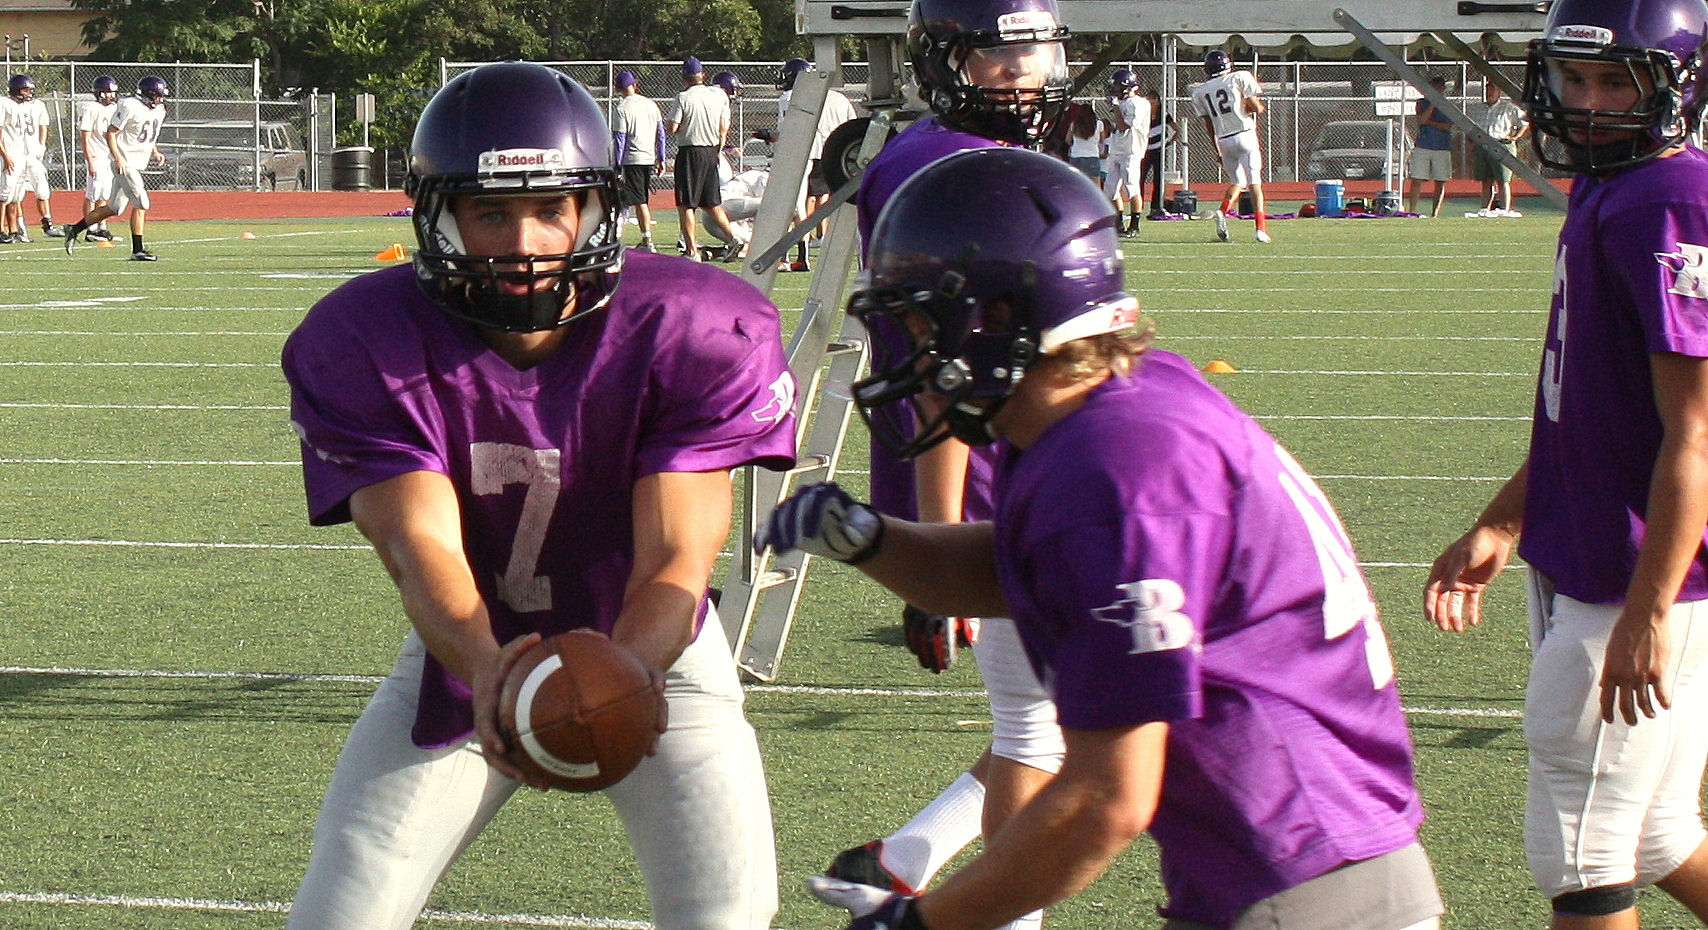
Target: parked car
[223, 156]
[1353, 150]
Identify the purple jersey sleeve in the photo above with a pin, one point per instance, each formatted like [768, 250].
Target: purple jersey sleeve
[1630, 280]
[1166, 560]
[682, 371]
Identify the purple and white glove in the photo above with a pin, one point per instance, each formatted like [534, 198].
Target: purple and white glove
[822, 520]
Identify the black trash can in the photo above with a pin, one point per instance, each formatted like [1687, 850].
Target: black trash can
[351, 168]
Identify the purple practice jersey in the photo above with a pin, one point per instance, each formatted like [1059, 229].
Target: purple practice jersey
[683, 371]
[1630, 280]
[1166, 560]
[892, 480]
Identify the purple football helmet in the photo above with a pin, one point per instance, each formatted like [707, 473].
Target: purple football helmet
[792, 69]
[959, 311]
[994, 68]
[1122, 81]
[105, 88]
[1217, 63]
[728, 81]
[550, 139]
[1660, 44]
[153, 91]
[21, 88]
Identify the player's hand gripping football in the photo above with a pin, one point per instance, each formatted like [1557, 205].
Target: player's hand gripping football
[871, 908]
[936, 639]
[488, 681]
[822, 520]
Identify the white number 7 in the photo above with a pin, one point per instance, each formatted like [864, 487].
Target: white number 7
[492, 467]
[1346, 599]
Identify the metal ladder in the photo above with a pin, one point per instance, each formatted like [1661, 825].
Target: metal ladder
[761, 590]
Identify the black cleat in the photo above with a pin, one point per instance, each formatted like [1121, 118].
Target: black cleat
[862, 866]
[143, 255]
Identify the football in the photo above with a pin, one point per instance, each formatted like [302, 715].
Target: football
[580, 711]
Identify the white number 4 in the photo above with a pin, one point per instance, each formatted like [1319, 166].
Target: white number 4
[1346, 598]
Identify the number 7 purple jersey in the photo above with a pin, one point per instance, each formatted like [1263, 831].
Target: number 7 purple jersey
[1167, 560]
[682, 372]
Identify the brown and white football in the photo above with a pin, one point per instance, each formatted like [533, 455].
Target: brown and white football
[581, 710]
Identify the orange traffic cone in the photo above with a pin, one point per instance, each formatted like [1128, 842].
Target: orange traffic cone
[247, 235]
[1218, 367]
[393, 254]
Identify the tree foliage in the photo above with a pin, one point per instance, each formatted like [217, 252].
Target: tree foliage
[391, 48]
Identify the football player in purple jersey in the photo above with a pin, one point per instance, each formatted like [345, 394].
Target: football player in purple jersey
[1179, 582]
[1609, 507]
[535, 429]
[995, 73]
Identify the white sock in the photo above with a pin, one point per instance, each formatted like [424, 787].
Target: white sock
[934, 835]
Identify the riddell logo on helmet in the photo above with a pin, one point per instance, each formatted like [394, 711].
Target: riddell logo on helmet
[520, 160]
[1025, 24]
[1589, 35]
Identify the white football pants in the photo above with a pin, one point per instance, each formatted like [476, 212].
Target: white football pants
[697, 814]
[1023, 718]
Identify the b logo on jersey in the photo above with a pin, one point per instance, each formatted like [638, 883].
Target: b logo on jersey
[1689, 276]
[782, 401]
[1150, 612]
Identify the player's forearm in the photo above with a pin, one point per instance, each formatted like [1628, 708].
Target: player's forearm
[1506, 511]
[942, 568]
[1077, 823]
[681, 521]
[1676, 515]
[940, 479]
[441, 602]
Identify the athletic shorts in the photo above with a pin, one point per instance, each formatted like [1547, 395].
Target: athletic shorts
[128, 190]
[635, 184]
[1395, 891]
[99, 187]
[35, 179]
[697, 176]
[1430, 165]
[817, 186]
[12, 183]
[1486, 167]
[1609, 803]
[1242, 158]
[1123, 175]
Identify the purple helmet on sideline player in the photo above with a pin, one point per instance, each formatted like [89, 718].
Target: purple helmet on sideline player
[792, 69]
[553, 139]
[728, 82]
[1217, 63]
[961, 311]
[153, 90]
[105, 88]
[1122, 81]
[1661, 43]
[948, 39]
[21, 88]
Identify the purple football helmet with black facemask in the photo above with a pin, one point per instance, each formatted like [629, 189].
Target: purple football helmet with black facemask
[21, 88]
[1122, 81]
[994, 68]
[792, 69]
[959, 311]
[1659, 44]
[153, 91]
[727, 82]
[1217, 63]
[551, 138]
[105, 88]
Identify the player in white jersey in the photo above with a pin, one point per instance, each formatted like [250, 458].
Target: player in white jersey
[93, 118]
[1230, 103]
[1130, 127]
[30, 119]
[11, 160]
[132, 135]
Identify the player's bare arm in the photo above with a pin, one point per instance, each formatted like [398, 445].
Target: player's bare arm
[1453, 596]
[1633, 677]
[415, 525]
[681, 520]
[1254, 106]
[1104, 797]
[119, 164]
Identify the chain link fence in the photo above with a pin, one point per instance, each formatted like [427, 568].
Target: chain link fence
[219, 134]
